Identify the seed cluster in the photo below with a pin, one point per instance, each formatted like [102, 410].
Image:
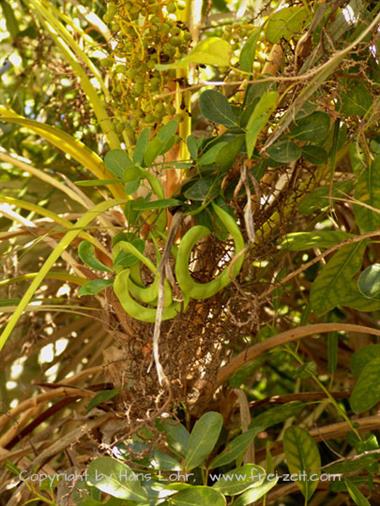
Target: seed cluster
[146, 33]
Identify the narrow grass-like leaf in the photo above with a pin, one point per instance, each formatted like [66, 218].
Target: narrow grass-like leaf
[66, 143]
[355, 494]
[64, 243]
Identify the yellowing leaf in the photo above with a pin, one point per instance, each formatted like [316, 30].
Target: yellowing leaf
[212, 51]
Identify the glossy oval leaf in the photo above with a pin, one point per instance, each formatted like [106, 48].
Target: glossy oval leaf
[215, 107]
[211, 155]
[327, 289]
[202, 439]
[303, 459]
[86, 253]
[255, 493]
[197, 496]
[178, 436]
[235, 449]
[369, 282]
[94, 286]
[161, 143]
[284, 151]
[118, 162]
[116, 479]
[366, 392]
[312, 127]
[248, 52]
[240, 479]
[141, 145]
[259, 119]
[286, 23]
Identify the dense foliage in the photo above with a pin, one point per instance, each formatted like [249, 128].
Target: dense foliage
[189, 223]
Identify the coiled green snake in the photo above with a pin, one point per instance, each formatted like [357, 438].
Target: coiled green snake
[128, 284]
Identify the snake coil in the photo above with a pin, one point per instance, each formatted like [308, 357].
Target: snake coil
[131, 293]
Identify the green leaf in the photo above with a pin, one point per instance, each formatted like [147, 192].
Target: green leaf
[356, 100]
[115, 479]
[202, 439]
[141, 145]
[314, 154]
[118, 162]
[210, 156]
[94, 286]
[355, 494]
[351, 297]
[196, 496]
[278, 414]
[284, 152]
[178, 436]
[140, 205]
[215, 107]
[102, 396]
[124, 260]
[164, 462]
[327, 289]
[96, 182]
[312, 127]
[303, 459]
[227, 155]
[361, 358]
[286, 23]
[300, 241]
[86, 253]
[366, 393]
[319, 198]
[211, 51]
[235, 449]
[255, 493]
[193, 143]
[369, 282]
[203, 188]
[240, 479]
[367, 190]
[259, 118]
[162, 142]
[248, 52]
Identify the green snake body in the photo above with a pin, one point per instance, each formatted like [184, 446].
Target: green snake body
[136, 310]
[186, 282]
[132, 293]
